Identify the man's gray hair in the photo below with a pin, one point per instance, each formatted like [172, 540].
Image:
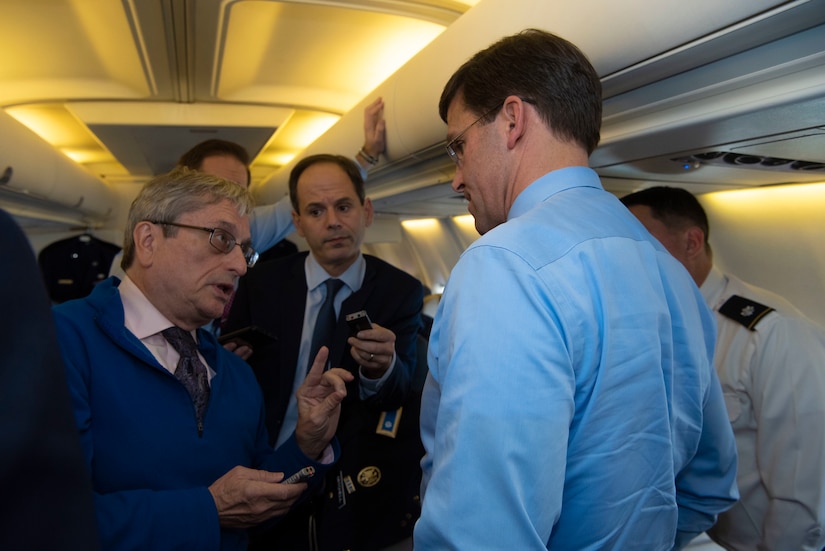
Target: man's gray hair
[168, 196]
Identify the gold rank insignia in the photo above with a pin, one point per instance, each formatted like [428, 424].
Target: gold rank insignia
[350, 487]
[369, 476]
[388, 422]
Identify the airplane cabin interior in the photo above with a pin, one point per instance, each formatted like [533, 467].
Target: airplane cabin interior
[725, 101]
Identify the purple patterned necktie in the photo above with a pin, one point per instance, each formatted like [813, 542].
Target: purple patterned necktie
[190, 371]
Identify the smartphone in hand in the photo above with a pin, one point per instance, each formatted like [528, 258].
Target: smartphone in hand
[301, 476]
[250, 335]
[358, 321]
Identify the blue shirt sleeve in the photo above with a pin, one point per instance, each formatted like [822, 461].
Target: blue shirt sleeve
[498, 382]
[706, 486]
[270, 224]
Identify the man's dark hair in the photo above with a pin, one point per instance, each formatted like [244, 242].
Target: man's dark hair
[550, 72]
[212, 148]
[346, 164]
[676, 208]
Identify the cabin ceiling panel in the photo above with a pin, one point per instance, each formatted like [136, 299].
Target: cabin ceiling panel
[72, 49]
[107, 81]
[147, 150]
[324, 57]
[806, 145]
[618, 37]
[124, 86]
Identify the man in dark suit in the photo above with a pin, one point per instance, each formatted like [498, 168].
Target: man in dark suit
[370, 500]
[43, 477]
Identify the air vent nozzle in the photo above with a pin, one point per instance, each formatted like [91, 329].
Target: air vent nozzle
[726, 158]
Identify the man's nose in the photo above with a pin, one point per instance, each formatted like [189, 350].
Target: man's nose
[458, 180]
[237, 260]
[333, 219]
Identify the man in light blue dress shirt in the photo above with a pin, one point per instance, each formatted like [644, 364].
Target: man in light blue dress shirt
[572, 401]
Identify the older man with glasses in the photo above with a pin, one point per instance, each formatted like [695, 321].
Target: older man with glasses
[171, 423]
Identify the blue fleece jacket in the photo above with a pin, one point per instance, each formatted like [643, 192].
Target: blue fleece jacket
[150, 467]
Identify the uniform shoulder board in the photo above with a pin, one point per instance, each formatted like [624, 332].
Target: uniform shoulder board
[744, 311]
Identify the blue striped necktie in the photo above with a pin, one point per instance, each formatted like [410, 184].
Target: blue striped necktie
[326, 321]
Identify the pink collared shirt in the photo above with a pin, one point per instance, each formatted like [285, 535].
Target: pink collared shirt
[146, 322]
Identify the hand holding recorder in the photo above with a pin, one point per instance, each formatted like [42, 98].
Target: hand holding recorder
[373, 346]
[246, 497]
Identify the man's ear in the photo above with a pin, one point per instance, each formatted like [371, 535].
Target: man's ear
[295, 219]
[146, 237]
[369, 212]
[695, 241]
[515, 117]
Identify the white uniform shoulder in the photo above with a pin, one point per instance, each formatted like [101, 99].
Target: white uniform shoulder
[749, 305]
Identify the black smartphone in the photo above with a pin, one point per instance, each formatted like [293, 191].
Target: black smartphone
[301, 476]
[250, 335]
[358, 321]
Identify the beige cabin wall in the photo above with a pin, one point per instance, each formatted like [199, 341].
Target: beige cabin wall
[773, 237]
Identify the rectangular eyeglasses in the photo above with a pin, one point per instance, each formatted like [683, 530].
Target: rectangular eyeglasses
[220, 239]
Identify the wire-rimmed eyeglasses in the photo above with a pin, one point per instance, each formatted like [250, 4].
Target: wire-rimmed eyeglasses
[220, 239]
[455, 148]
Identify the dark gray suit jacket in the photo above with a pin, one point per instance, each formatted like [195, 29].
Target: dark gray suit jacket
[273, 296]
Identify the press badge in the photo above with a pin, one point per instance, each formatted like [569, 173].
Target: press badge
[342, 495]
